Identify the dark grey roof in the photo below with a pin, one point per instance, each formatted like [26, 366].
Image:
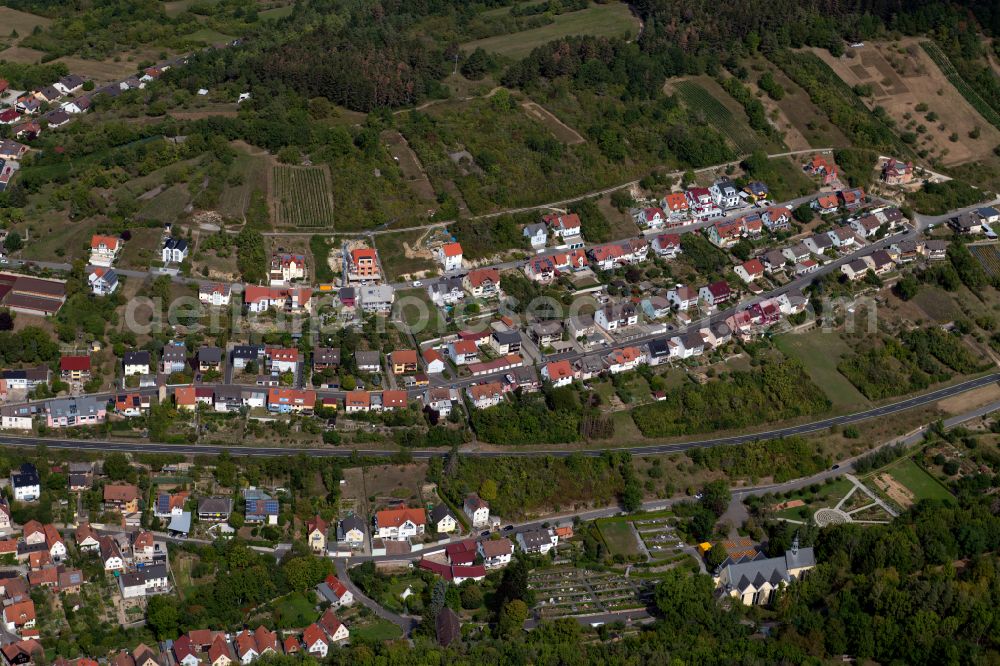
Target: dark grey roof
[798, 558]
[215, 505]
[659, 347]
[210, 355]
[506, 337]
[327, 355]
[137, 358]
[367, 357]
[535, 538]
[153, 571]
[175, 244]
[248, 352]
[440, 512]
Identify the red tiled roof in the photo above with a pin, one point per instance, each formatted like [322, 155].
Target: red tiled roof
[396, 517]
[74, 363]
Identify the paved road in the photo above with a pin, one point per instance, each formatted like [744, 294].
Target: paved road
[804, 428]
[406, 623]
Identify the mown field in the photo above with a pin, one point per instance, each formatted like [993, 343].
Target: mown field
[302, 196]
[610, 20]
[917, 481]
[819, 352]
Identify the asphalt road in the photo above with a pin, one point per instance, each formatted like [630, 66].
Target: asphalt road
[331, 452]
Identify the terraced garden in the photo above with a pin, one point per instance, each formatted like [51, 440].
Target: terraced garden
[302, 196]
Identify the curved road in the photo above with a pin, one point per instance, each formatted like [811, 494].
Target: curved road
[801, 429]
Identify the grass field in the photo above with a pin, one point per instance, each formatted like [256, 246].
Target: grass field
[423, 317]
[917, 481]
[294, 610]
[252, 173]
[302, 196]
[392, 250]
[208, 36]
[167, 206]
[702, 102]
[619, 537]
[609, 20]
[23, 22]
[382, 630]
[277, 12]
[820, 352]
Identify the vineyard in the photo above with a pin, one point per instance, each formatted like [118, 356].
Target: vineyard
[302, 197]
[989, 257]
[718, 116]
[971, 96]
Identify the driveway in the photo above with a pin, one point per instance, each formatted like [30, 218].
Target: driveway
[406, 623]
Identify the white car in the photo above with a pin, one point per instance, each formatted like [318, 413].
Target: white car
[417, 283]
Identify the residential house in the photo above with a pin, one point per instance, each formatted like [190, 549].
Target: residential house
[855, 270]
[559, 373]
[364, 265]
[775, 260]
[541, 268]
[566, 227]
[326, 358]
[683, 297]
[614, 316]
[281, 360]
[357, 401]
[69, 84]
[538, 541]
[966, 223]
[667, 246]
[400, 524]
[334, 591]
[650, 218]
[482, 283]
[506, 342]
[315, 641]
[403, 361]
[477, 510]
[843, 238]
[215, 509]
[74, 368]
[218, 652]
[750, 271]
[657, 351]
[286, 267]
[286, 401]
[446, 291]
[376, 298]
[485, 395]
[86, 538]
[820, 166]
[288, 299]
[103, 281]
[853, 198]
[725, 234]
[186, 398]
[104, 249]
[443, 519]
[69, 412]
[351, 531]
[15, 417]
[624, 360]
[777, 218]
[75, 107]
[168, 506]
[123, 498]
[136, 363]
[826, 204]
[715, 294]
[392, 400]
[433, 361]
[805, 267]
[725, 194]
[897, 172]
[217, 294]
[261, 508]
[867, 226]
[173, 358]
[988, 214]
[537, 235]
[209, 358]
[818, 244]
[335, 630]
[935, 250]
[756, 191]
[495, 554]
[880, 262]
[449, 255]
[676, 205]
[544, 333]
[19, 616]
[174, 251]
[131, 404]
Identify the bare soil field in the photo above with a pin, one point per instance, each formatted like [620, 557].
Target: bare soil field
[896, 491]
[793, 137]
[558, 128]
[409, 164]
[106, 71]
[901, 77]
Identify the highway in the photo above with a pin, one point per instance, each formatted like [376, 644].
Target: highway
[331, 452]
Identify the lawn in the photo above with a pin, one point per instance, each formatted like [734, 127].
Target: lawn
[208, 36]
[619, 537]
[826, 497]
[917, 481]
[417, 311]
[277, 12]
[294, 611]
[382, 630]
[820, 353]
[611, 20]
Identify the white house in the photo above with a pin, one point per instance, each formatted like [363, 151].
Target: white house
[478, 510]
[449, 256]
[214, 294]
[683, 297]
[103, 282]
[26, 483]
[136, 363]
[104, 249]
[725, 194]
[443, 520]
[495, 554]
[174, 251]
[538, 541]
[484, 396]
[400, 524]
[536, 234]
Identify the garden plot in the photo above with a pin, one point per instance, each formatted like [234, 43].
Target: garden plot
[659, 536]
[568, 591]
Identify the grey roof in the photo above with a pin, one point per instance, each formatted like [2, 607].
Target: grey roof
[84, 405]
[547, 327]
[228, 393]
[175, 244]
[215, 505]
[352, 523]
[133, 579]
[327, 355]
[658, 348]
[210, 355]
[535, 538]
[822, 241]
[153, 571]
[858, 266]
[364, 358]
[797, 558]
[440, 512]
[136, 358]
[506, 337]
[248, 352]
[755, 573]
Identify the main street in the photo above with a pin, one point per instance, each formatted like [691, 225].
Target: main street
[332, 452]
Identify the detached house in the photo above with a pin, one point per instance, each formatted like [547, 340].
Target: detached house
[449, 256]
[667, 246]
[477, 510]
[676, 205]
[896, 172]
[400, 524]
[214, 294]
[651, 218]
[74, 368]
[364, 265]
[715, 293]
[403, 361]
[104, 249]
[560, 373]
[624, 360]
[174, 251]
[482, 283]
[122, 498]
[136, 363]
[566, 227]
[683, 297]
[286, 267]
[537, 235]
[725, 194]
[487, 395]
[612, 317]
[103, 281]
[751, 270]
